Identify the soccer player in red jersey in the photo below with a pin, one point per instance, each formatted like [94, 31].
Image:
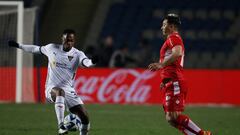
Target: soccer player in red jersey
[173, 82]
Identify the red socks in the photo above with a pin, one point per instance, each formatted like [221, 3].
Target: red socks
[186, 125]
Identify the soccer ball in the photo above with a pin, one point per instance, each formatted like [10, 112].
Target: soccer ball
[72, 122]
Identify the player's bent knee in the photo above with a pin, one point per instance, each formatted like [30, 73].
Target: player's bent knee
[58, 91]
[171, 120]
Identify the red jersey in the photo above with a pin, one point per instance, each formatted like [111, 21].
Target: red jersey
[174, 70]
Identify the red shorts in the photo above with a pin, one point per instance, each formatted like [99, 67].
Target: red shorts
[174, 96]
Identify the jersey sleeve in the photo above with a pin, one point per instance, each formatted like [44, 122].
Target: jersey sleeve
[84, 60]
[45, 49]
[30, 48]
[175, 40]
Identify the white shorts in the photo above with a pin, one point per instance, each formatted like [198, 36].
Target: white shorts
[71, 97]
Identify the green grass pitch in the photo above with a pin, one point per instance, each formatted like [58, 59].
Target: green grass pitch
[40, 119]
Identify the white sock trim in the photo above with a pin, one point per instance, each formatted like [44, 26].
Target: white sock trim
[188, 132]
[193, 126]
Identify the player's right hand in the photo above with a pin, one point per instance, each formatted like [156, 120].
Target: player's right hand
[155, 66]
[162, 85]
[13, 43]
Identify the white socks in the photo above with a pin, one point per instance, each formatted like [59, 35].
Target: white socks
[60, 108]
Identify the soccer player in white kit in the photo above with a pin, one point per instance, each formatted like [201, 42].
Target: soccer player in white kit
[63, 61]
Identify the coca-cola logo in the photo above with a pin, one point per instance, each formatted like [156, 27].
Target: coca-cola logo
[120, 86]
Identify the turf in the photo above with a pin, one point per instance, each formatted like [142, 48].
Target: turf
[40, 119]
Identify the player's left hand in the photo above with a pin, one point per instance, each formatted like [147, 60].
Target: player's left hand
[13, 43]
[155, 66]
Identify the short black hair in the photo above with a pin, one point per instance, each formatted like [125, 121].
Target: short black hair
[173, 19]
[69, 31]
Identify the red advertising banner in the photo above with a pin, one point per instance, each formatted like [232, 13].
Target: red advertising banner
[7, 84]
[213, 86]
[118, 86]
[138, 86]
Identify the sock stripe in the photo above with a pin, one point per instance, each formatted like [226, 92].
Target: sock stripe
[59, 102]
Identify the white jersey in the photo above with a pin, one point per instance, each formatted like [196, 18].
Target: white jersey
[62, 65]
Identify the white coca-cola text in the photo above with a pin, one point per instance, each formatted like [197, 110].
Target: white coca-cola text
[120, 86]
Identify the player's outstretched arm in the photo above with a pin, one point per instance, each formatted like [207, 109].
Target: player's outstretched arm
[86, 62]
[27, 48]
